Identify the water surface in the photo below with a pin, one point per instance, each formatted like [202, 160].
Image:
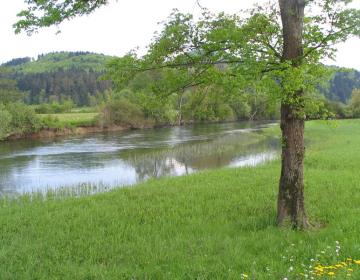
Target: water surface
[128, 157]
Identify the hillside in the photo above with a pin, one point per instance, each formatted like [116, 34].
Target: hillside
[60, 76]
[64, 60]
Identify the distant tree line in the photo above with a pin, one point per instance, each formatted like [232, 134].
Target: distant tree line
[74, 83]
[18, 61]
[341, 86]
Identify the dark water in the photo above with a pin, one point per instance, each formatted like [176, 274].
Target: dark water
[127, 157]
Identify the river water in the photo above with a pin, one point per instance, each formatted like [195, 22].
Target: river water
[127, 157]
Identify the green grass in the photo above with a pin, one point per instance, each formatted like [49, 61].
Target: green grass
[71, 120]
[215, 224]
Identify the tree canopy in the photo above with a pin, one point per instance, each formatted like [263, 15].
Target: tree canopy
[44, 13]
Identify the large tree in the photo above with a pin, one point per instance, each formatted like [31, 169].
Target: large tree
[276, 48]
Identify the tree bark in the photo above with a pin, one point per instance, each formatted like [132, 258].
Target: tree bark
[291, 201]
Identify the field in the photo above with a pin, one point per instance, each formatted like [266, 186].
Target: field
[68, 119]
[216, 224]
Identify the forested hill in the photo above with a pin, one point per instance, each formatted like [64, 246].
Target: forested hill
[63, 75]
[64, 60]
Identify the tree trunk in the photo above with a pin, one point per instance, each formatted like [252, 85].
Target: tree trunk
[291, 201]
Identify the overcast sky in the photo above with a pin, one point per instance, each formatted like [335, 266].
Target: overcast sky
[121, 26]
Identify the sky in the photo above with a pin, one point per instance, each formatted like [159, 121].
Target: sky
[123, 25]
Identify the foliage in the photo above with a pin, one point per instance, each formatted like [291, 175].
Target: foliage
[17, 61]
[354, 106]
[58, 76]
[122, 112]
[5, 122]
[74, 83]
[23, 118]
[53, 12]
[8, 89]
[340, 85]
[215, 224]
[64, 60]
[190, 50]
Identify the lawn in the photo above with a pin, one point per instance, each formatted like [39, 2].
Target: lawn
[214, 224]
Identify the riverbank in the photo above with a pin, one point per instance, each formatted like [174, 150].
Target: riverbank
[215, 224]
[82, 124]
[49, 132]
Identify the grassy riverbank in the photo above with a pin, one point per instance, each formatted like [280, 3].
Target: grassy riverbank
[216, 224]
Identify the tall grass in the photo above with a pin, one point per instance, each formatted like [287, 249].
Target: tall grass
[215, 224]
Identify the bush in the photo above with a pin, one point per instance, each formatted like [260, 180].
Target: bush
[5, 122]
[123, 112]
[23, 118]
[224, 112]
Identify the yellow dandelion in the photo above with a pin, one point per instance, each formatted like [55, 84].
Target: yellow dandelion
[331, 273]
[350, 269]
[348, 274]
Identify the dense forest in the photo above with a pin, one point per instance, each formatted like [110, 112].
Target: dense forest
[60, 76]
[75, 83]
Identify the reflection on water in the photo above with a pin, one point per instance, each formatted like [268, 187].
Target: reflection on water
[127, 157]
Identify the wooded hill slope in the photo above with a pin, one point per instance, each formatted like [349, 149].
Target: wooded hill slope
[63, 75]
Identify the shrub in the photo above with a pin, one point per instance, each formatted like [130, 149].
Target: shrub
[23, 118]
[123, 112]
[5, 122]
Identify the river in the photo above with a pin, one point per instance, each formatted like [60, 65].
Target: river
[127, 157]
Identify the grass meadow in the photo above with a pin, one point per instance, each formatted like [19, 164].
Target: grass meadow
[214, 224]
[71, 120]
